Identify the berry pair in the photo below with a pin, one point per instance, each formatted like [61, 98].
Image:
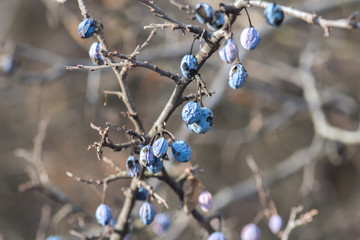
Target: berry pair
[204, 13]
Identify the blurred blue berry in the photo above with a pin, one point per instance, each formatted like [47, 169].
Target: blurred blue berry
[275, 223]
[189, 66]
[249, 38]
[147, 213]
[181, 151]
[205, 201]
[237, 76]
[160, 147]
[8, 63]
[103, 214]
[54, 237]
[142, 194]
[250, 232]
[217, 22]
[204, 13]
[161, 223]
[95, 54]
[147, 156]
[113, 221]
[274, 15]
[133, 166]
[156, 166]
[191, 112]
[217, 236]
[205, 123]
[229, 51]
[87, 28]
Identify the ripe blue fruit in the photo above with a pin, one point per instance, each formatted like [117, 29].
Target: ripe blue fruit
[217, 22]
[95, 54]
[87, 28]
[156, 166]
[147, 213]
[229, 51]
[181, 151]
[160, 147]
[142, 194]
[237, 76]
[133, 166]
[161, 223]
[204, 13]
[189, 66]
[249, 38]
[205, 122]
[8, 63]
[147, 156]
[191, 112]
[205, 201]
[54, 237]
[103, 214]
[250, 232]
[275, 223]
[274, 15]
[217, 236]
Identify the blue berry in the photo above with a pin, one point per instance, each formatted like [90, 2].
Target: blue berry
[142, 194]
[54, 237]
[205, 123]
[147, 156]
[160, 147]
[95, 54]
[217, 22]
[217, 236]
[147, 213]
[112, 222]
[205, 201]
[156, 166]
[189, 66]
[103, 214]
[191, 112]
[8, 63]
[250, 232]
[274, 15]
[87, 28]
[237, 76]
[249, 38]
[204, 13]
[275, 223]
[181, 151]
[161, 223]
[229, 51]
[133, 166]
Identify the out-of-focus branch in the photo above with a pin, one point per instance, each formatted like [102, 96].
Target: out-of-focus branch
[311, 94]
[310, 18]
[302, 220]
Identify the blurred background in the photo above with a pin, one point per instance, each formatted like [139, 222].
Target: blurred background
[268, 118]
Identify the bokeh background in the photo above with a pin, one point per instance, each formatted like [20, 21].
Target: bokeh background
[268, 118]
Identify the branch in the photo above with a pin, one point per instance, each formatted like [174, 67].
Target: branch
[311, 94]
[310, 18]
